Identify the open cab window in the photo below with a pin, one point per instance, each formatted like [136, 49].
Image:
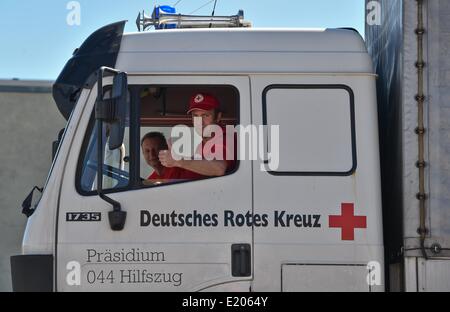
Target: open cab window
[160, 112]
[166, 123]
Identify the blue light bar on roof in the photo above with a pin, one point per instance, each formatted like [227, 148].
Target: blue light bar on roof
[164, 9]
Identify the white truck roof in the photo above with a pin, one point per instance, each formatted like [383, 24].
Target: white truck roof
[245, 50]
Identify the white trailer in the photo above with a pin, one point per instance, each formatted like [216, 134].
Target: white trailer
[312, 223]
[409, 44]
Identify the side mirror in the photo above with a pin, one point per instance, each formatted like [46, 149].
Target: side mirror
[119, 99]
[113, 110]
[26, 205]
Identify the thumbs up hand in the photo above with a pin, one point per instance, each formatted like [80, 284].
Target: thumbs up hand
[166, 158]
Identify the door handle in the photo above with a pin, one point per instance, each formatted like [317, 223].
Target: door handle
[241, 260]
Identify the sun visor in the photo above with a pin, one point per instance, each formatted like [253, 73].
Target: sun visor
[100, 49]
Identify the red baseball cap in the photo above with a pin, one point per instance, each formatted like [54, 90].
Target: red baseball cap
[203, 101]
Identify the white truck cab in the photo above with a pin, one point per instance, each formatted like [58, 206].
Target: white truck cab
[312, 222]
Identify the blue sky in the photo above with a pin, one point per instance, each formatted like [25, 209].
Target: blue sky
[37, 40]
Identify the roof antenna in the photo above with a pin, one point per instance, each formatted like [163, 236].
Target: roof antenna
[214, 9]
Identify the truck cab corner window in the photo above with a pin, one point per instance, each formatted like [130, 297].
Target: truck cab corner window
[115, 161]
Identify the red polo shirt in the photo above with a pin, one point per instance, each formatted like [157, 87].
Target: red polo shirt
[169, 173]
[209, 149]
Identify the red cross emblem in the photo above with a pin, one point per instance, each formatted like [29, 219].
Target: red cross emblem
[198, 98]
[347, 221]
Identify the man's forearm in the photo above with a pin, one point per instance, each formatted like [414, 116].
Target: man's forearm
[204, 167]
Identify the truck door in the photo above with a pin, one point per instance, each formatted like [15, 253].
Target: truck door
[321, 187]
[182, 235]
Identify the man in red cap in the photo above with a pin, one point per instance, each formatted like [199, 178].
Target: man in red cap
[207, 107]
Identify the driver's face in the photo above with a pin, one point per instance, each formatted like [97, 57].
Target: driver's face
[150, 150]
[209, 117]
